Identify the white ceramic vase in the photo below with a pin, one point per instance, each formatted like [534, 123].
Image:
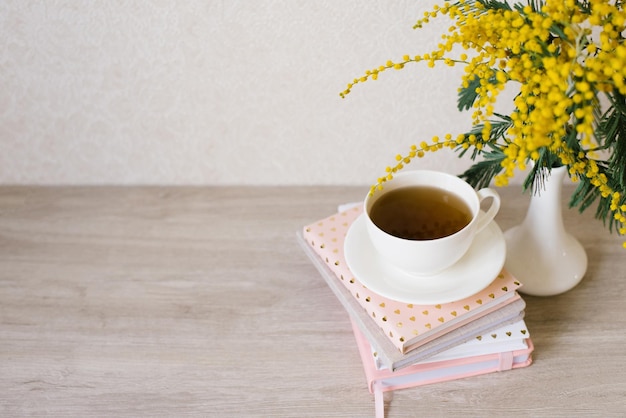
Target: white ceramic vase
[540, 253]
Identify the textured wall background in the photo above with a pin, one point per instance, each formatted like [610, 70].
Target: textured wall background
[215, 91]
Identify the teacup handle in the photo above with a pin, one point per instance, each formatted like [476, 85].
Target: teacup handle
[485, 218]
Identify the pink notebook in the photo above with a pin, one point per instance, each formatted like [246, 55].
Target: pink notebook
[379, 381]
[406, 325]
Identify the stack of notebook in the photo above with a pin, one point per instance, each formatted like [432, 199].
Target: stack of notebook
[404, 342]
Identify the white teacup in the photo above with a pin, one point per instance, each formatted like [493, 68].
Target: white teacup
[412, 238]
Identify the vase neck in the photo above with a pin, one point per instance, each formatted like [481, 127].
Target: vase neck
[545, 204]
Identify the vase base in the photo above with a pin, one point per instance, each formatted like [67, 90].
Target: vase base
[547, 269]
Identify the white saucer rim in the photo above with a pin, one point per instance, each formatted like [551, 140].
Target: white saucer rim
[498, 247]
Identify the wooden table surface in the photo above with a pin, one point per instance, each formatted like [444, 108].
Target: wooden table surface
[192, 301]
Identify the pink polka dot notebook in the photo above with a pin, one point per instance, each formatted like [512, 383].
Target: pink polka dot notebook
[404, 333]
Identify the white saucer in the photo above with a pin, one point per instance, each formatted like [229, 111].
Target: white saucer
[472, 273]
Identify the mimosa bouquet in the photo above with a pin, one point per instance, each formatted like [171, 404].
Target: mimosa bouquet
[567, 59]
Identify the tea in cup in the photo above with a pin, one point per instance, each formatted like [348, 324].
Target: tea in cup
[424, 221]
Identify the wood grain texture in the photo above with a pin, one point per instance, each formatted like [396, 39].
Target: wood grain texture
[185, 301]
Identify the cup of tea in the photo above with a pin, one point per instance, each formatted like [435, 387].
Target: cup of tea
[424, 221]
